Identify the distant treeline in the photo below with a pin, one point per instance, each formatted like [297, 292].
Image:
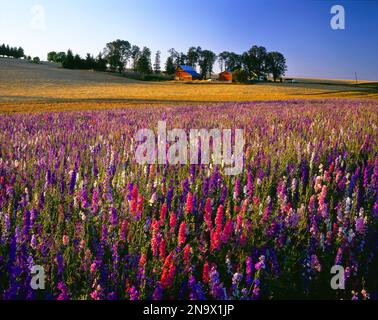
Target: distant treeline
[16, 53]
[71, 61]
[116, 56]
[7, 51]
[119, 55]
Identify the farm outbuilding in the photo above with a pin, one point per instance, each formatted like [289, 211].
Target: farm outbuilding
[186, 73]
[225, 76]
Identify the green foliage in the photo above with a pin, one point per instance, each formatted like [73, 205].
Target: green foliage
[254, 61]
[13, 52]
[76, 62]
[118, 53]
[276, 65]
[51, 56]
[240, 75]
[144, 62]
[157, 67]
[147, 77]
[206, 62]
[57, 57]
[169, 66]
[193, 56]
[135, 54]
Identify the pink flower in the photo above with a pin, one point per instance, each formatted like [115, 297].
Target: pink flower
[172, 222]
[162, 249]
[323, 208]
[189, 203]
[65, 240]
[163, 212]
[207, 215]
[227, 231]
[182, 234]
[215, 239]
[168, 272]
[155, 243]
[93, 267]
[219, 217]
[33, 242]
[187, 255]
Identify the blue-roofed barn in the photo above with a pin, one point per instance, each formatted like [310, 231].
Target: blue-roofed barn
[186, 73]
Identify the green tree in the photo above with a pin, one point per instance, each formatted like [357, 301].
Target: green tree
[68, 62]
[240, 75]
[157, 67]
[254, 61]
[182, 59]
[230, 61]
[89, 62]
[78, 62]
[20, 53]
[170, 66]
[100, 63]
[118, 54]
[135, 54]
[52, 56]
[36, 60]
[144, 61]
[276, 65]
[60, 56]
[2, 50]
[206, 62]
[193, 56]
[222, 58]
[175, 57]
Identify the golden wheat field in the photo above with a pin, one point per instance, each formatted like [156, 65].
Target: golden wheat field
[26, 87]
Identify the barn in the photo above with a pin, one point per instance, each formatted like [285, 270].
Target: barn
[225, 76]
[186, 73]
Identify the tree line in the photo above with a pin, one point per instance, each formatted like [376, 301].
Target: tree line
[119, 55]
[14, 52]
[257, 62]
[71, 61]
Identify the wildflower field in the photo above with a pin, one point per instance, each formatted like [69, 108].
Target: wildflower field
[73, 200]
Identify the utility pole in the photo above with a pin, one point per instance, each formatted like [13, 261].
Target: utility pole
[356, 77]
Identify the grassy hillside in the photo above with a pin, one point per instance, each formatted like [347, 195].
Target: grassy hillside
[26, 87]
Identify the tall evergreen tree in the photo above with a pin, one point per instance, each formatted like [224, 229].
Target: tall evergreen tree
[170, 66]
[157, 67]
[3, 50]
[68, 62]
[144, 61]
[135, 54]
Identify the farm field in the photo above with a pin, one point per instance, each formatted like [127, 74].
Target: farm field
[74, 201]
[26, 87]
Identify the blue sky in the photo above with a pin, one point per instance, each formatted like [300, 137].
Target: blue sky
[299, 29]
